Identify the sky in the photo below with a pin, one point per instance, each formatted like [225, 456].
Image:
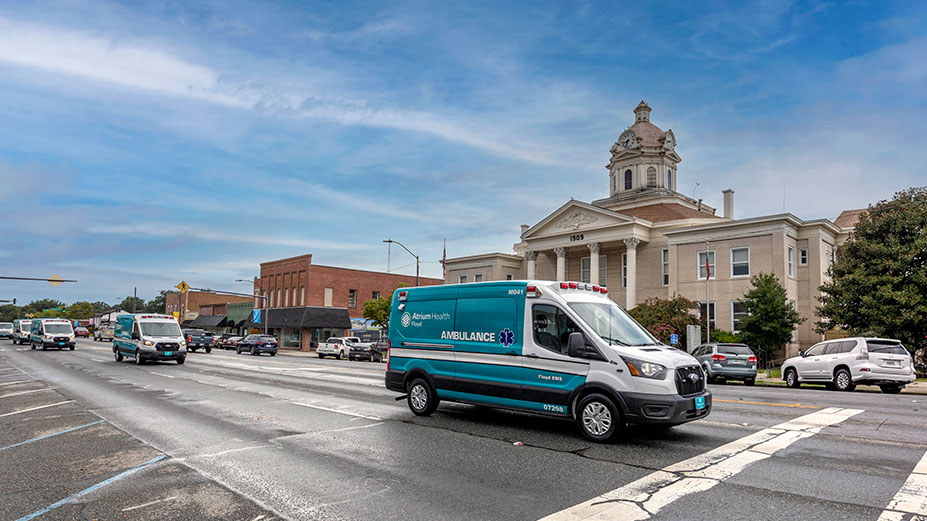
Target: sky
[142, 144]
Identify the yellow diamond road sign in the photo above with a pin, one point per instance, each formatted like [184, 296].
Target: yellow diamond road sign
[183, 286]
[55, 280]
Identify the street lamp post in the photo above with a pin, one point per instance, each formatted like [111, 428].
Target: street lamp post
[418, 263]
[264, 308]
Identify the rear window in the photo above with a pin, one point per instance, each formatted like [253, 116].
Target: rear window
[268, 339]
[734, 350]
[886, 348]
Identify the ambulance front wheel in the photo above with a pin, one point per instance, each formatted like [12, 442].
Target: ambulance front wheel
[598, 417]
[422, 398]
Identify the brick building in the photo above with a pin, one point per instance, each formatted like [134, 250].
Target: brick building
[192, 302]
[297, 282]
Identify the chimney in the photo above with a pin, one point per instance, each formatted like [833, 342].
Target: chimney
[728, 203]
[524, 228]
[700, 205]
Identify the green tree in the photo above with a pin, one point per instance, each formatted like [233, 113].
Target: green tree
[132, 305]
[51, 313]
[377, 310]
[879, 282]
[727, 337]
[770, 319]
[37, 306]
[159, 303]
[100, 306]
[10, 312]
[665, 317]
[79, 310]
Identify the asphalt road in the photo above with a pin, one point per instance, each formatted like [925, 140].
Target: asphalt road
[228, 436]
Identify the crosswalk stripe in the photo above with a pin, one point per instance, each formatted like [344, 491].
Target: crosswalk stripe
[911, 498]
[645, 497]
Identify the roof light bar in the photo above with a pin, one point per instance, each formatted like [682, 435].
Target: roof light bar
[403, 295]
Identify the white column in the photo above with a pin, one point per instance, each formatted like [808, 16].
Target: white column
[561, 263]
[532, 258]
[594, 264]
[631, 290]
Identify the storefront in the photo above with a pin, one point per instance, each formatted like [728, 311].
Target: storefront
[301, 327]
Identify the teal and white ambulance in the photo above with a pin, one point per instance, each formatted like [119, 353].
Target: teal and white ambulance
[145, 337]
[557, 348]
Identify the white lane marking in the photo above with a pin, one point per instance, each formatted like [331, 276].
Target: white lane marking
[348, 413]
[645, 497]
[18, 393]
[14, 383]
[259, 518]
[35, 408]
[911, 498]
[143, 505]
[214, 454]
[346, 428]
[161, 374]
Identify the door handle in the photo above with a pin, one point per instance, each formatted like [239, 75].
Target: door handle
[531, 355]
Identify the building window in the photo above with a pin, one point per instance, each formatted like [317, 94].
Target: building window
[478, 277]
[624, 270]
[669, 179]
[738, 312]
[585, 264]
[294, 297]
[711, 313]
[375, 295]
[279, 298]
[709, 258]
[327, 302]
[627, 179]
[302, 295]
[352, 298]
[740, 262]
[665, 254]
[462, 279]
[651, 177]
[803, 256]
[509, 277]
[286, 297]
[791, 261]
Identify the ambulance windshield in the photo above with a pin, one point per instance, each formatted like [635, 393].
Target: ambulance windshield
[612, 324]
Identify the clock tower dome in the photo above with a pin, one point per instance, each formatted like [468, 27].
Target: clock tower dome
[643, 159]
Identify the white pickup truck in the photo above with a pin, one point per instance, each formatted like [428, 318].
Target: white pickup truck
[339, 347]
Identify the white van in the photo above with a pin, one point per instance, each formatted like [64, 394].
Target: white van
[146, 337]
[557, 348]
[52, 332]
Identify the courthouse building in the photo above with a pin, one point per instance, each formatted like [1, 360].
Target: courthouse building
[648, 240]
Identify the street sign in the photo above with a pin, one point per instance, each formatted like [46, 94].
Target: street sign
[55, 280]
[674, 339]
[256, 316]
[183, 286]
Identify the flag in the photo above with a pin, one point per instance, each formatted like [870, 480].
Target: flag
[707, 268]
[444, 260]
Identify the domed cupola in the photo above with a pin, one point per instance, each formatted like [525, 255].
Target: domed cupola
[644, 157]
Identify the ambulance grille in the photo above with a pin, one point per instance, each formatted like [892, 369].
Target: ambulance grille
[684, 380]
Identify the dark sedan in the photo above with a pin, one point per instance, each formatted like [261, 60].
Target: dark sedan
[374, 352]
[257, 344]
[229, 342]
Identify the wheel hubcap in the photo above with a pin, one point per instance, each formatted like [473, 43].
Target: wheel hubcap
[418, 397]
[791, 378]
[843, 380]
[596, 418]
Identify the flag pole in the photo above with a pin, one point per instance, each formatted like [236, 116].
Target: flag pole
[707, 295]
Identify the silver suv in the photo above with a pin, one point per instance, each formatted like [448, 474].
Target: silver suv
[727, 361]
[848, 362]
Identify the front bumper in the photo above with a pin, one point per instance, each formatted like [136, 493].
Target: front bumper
[61, 345]
[5, 334]
[151, 354]
[663, 409]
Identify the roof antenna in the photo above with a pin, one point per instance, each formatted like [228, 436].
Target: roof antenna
[695, 189]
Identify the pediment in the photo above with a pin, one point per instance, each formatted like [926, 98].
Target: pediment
[574, 216]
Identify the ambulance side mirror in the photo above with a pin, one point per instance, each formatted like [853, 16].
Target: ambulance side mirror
[576, 345]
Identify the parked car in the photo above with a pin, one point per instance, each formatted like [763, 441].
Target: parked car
[22, 331]
[82, 331]
[367, 351]
[197, 339]
[257, 344]
[849, 362]
[6, 329]
[727, 361]
[335, 346]
[229, 342]
[104, 333]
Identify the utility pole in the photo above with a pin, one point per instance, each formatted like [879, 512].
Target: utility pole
[707, 295]
[418, 262]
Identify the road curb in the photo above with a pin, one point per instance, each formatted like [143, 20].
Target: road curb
[917, 391]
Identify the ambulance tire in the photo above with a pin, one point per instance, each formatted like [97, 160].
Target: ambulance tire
[597, 417]
[422, 398]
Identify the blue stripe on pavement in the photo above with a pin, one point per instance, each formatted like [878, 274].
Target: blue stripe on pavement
[50, 435]
[86, 491]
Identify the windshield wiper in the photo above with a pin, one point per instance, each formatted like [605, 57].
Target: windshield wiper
[615, 340]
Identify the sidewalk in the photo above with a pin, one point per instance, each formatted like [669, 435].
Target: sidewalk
[911, 388]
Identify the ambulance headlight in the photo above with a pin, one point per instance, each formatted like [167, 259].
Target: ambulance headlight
[644, 369]
[183, 343]
[149, 343]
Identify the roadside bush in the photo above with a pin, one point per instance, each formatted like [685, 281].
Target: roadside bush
[665, 317]
[727, 337]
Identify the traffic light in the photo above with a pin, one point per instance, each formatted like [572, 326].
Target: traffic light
[14, 301]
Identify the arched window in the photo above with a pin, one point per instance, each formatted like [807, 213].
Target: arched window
[651, 176]
[669, 179]
[627, 179]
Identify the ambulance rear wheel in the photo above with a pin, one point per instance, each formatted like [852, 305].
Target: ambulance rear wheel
[597, 417]
[118, 356]
[422, 399]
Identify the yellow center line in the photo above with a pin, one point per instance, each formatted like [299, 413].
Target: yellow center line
[792, 405]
